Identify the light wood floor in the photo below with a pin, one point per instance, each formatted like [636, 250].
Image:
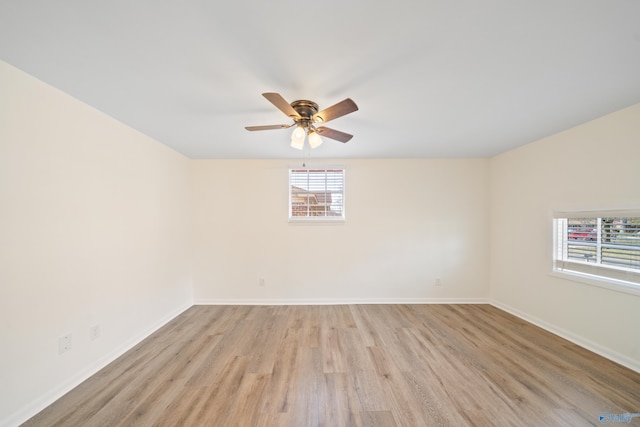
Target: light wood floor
[350, 365]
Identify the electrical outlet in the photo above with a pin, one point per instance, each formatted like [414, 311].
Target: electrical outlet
[437, 282]
[64, 343]
[94, 332]
[261, 282]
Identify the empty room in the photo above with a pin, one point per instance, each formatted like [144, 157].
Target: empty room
[339, 214]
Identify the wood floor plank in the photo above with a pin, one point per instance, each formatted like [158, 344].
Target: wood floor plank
[362, 370]
[332, 352]
[403, 404]
[349, 365]
[343, 406]
[246, 408]
[266, 347]
[185, 410]
[378, 419]
[309, 391]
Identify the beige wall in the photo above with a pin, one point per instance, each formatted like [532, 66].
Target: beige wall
[593, 166]
[407, 222]
[93, 230]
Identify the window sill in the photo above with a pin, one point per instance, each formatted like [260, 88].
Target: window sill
[599, 281]
[317, 220]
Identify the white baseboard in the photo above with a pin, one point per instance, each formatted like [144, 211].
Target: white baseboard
[338, 301]
[51, 396]
[574, 338]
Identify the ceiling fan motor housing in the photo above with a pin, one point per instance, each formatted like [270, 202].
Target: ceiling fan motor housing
[306, 110]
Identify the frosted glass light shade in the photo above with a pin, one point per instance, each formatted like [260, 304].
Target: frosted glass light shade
[314, 140]
[297, 138]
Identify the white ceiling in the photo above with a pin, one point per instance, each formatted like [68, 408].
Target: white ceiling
[459, 78]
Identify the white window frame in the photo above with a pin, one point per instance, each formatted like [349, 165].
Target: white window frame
[620, 279]
[340, 217]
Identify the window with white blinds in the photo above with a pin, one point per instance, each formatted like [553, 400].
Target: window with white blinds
[316, 194]
[605, 246]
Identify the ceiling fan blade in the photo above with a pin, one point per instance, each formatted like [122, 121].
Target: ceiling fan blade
[338, 110]
[282, 105]
[267, 127]
[333, 134]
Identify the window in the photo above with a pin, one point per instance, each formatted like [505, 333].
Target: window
[316, 194]
[602, 246]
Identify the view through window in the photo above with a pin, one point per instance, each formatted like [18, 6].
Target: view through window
[316, 194]
[604, 246]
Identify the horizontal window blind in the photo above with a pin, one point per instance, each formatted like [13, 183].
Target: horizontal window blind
[599, 246]
[316, 194]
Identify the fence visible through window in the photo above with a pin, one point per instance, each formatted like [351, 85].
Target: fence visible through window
[606, 241]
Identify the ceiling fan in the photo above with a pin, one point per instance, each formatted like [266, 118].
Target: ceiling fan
[305, 115]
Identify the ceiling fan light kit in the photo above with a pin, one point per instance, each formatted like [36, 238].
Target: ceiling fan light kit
[314, 139]
[305, 115]
[297, 137]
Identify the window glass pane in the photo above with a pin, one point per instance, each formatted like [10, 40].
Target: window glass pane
[608, 247]
[316, 193]
[581, 238]
[621, 242]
